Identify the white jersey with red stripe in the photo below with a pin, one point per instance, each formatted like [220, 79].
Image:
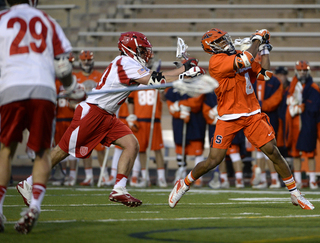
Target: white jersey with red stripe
[121, 73]
[29, 40]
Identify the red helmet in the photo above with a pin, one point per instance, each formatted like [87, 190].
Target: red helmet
[86, 61]
[32, 3]
[136, 46]
[217, 41]
[302, 70]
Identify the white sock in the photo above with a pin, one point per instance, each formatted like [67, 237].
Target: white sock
[274, 176]
[263, 177]
[312, 176]
[224, 176]
[239, 175]
[161, 173]
[73, 173]
[89, 172]
[115, 159]
[297, 176]
[38, 192]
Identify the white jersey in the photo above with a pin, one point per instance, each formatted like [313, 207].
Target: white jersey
[121, 73]
[29, 40]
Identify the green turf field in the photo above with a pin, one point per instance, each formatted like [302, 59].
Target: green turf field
[202, 215]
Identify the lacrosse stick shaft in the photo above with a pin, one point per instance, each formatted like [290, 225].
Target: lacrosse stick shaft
[105, 159]
[184, 138]
[151, 132]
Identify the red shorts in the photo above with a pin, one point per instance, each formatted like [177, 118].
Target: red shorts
[35, 115]
[143, 136]
[193, 148]
[256, 128]
[90, 126]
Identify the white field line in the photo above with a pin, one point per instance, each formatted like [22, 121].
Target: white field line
[179, 219]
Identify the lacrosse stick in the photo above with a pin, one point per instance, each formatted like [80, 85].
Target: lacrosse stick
[151, 133]
[182, 52]
[105, 159]
[195, 86]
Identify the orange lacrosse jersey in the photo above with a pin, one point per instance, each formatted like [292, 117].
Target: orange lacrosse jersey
[143, 106]
[64, 114]
[90, 81]
[235, 94]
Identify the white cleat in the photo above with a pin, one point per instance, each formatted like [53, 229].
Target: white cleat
[111, 181]
[25, 190]
[225, 184]
[181, 173]
[275, 184]
[298, 199]
[180, 188]
[162, 183]
[70, 181]
[215, 182]
[104, 180]
[313, 185]
[239, 183]
[256, 178]
[87, 182]
[261, 185]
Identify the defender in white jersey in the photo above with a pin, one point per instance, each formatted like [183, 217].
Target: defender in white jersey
[33, 51]
[95, 121]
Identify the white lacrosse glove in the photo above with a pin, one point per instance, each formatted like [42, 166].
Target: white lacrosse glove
[295, 110]
[185, 113]
[213, 112]
[75, 92]
[265, 49]
[192, 72]
[132, 122]
[174, 107]
[292, 101]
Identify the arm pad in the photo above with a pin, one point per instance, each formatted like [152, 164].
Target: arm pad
[264, 75]
[244, 59]
[62, 66]
[157, 78]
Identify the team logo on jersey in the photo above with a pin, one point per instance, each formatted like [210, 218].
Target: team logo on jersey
[83, 150]
[142, 71]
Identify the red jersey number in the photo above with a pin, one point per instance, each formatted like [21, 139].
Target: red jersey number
[15, 48]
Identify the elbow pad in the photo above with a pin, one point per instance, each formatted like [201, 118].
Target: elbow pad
[157, 78]
[264, 75]
[62, 66]
[244, 59]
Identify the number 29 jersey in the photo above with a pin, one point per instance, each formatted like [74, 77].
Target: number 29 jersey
[29, 40]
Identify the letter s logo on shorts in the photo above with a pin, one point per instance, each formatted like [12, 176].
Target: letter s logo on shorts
[218, 139]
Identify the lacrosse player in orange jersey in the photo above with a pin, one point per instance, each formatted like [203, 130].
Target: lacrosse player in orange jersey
[303, 121]
[89, 78]
[238, 108]
[65, 110]
[140, 104]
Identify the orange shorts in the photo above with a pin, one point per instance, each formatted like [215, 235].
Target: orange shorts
[143, 136]
[61, 127]
[193, 148]
[233, 149]
[99, 147]
[256, 128]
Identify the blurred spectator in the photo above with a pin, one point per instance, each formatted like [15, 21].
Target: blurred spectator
[302, 121]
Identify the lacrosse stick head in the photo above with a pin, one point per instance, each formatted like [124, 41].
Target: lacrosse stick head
[196, 86]
[181, 49]
[243, 44]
